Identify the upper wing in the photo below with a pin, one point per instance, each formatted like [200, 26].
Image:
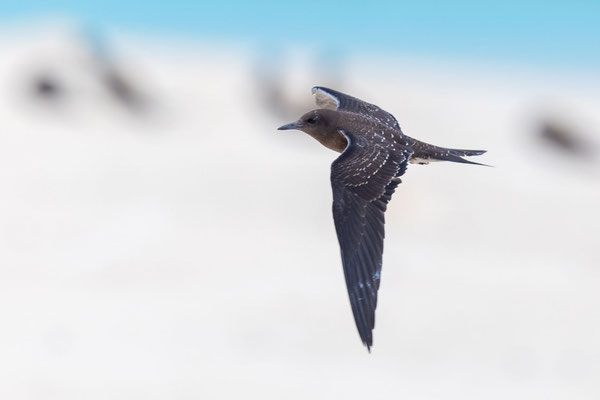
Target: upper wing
[363, 184]
[334, 100]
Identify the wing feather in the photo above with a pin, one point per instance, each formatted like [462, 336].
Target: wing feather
[334, 100]
[362, 182]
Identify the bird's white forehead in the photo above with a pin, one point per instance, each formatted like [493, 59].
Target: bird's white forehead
[325, 100]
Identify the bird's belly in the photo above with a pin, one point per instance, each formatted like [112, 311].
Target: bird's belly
[422, 161]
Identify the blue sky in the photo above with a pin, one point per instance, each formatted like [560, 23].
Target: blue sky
[541, 32]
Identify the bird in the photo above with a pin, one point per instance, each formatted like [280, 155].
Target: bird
[374, 155]
[566, 139]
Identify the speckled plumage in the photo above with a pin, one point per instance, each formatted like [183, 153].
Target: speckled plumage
[374, 154]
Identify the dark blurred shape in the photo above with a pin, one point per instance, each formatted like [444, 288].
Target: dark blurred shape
[275, 100]
[119, 84]
[271, 75]
[47, 87]
[123, 89]
[566, 139]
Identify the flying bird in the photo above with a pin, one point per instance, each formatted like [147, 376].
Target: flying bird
[374, 155]
[566, 139]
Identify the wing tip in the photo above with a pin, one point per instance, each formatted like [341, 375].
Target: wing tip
[325, 97]
[368, 344]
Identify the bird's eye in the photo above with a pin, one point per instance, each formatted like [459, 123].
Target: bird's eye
[312, 120]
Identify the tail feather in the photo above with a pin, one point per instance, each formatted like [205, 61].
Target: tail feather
[428, 152]
[457, 154]
[467, 153]
[458, 159]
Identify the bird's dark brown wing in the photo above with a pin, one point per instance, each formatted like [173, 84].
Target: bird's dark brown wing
[362, 178]
[334, 100]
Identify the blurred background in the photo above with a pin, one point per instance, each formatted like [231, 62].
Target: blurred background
[159, 239]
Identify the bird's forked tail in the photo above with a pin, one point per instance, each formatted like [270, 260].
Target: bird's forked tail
[425, 152]
[456, 155]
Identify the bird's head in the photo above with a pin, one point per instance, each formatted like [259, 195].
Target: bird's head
[312, 122]
[322, 125]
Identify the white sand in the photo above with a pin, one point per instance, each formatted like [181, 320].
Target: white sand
[190, 252]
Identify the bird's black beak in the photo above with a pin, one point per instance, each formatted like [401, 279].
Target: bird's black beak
[293, 125]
